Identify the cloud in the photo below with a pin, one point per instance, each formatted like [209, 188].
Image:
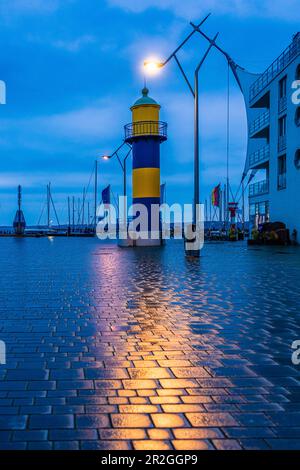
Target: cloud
[193, 9]
[141, 46]
[103, 119]
[29, 7]
[66, 180]
[213, 122]
[72, 45]
[99, 122]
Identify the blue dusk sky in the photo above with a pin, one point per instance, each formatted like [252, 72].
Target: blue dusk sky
[73, 68]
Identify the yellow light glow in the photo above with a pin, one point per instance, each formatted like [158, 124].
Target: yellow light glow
[152, 66]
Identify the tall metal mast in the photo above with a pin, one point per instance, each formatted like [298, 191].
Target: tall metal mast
[96, 194]
[48, 204]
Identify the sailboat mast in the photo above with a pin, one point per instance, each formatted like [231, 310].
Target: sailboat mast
[48, 204]
[69, 212]
[19, 197]
[73, 212]
[83, 207]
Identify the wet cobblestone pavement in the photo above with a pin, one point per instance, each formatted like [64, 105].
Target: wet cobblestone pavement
[143, 349]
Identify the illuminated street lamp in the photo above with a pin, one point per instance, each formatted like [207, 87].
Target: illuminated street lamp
[122, 163]
[152, 66]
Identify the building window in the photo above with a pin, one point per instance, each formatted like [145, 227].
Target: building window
[297, 116]
[282, 126]
[259, 213]
[282, 87]
[282, 134]
[252, 210]
[281, 178]
[297, 159]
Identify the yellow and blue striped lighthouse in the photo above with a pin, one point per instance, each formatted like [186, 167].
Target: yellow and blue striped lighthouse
[145, 134]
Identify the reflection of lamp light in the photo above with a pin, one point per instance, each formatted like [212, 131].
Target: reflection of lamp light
[152, 66]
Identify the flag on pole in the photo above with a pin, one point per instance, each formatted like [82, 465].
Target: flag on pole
[106, 195]
[215, 196]
[163, 193]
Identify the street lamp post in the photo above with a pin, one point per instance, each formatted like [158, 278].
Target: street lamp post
[124, 170]
[196, 132]
[195, 92]
[232, 64]
[122, 163]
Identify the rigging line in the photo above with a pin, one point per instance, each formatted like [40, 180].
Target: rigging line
[116, 202]
[53, 205]
[238, 190]
[245, 189]
[85, 195]
[90, 179]
[42, 213]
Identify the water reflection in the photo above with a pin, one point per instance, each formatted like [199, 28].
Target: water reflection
[144, 341]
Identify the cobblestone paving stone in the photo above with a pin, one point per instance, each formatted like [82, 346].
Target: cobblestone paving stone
[143, 349]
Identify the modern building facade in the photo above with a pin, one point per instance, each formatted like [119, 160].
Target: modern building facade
[273, 155]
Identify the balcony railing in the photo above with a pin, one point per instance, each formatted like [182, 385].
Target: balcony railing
[281, 143]
[259, 188]
[156, 129]
[282, 104]
[260, 156]
[276, 67]
[260, 123]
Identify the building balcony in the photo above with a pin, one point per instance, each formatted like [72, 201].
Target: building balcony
[282, 143]
[155, 129]
[259, 127]
[259, 188]
[259, 157]
[292, 51]
[282, 104]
